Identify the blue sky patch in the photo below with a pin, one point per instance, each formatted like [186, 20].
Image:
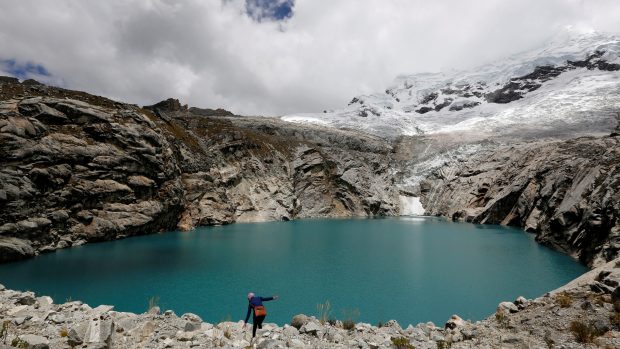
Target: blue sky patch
[274, 10]
[22, 70]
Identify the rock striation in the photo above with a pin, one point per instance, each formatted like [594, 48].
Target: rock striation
[77, 168]
[565, 192]
[584, 312]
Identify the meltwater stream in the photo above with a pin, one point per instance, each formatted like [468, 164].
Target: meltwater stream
[409, 269]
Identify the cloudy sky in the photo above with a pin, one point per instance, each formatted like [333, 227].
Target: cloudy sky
[270, 57]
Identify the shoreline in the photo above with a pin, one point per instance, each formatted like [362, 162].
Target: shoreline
[36, 322]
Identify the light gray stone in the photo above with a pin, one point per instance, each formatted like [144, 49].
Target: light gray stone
[507, 307]
[35, 341]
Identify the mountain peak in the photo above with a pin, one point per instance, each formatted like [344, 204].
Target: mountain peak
[516, 96]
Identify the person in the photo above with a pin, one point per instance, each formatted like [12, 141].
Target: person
[255, 305]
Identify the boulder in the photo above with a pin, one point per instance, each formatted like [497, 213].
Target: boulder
[74, 339]
[507, 307]
[299, 321]
[35, 342]
[311, 328]
[14, 248]
[26, 300]
[455, 322]
[290, 331]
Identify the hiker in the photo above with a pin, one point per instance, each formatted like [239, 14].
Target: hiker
[256, 303]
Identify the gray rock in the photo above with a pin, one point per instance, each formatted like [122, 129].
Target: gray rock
[19, 320]
[26, 300]
[477, 191]
[507, 307]
[299, 321]
[290, 331]
[191, 317]
[57, 318]
[35, 342]
[599, 287]
[191, 326]
[455, 322]
[74, 339]
[14, 249]
[521, 302]
[270, 344]
[311, 328]
[45, 301]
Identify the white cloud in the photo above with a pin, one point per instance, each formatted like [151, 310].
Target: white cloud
[209, 53]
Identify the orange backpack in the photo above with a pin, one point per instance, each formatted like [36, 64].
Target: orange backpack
[260, 310]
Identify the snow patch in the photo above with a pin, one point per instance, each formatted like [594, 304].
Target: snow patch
[577, 102]
[304, 119]
[410, 206]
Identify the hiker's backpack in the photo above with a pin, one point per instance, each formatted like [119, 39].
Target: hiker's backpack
[260, 310]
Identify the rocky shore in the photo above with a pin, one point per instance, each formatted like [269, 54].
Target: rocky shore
[585, 313]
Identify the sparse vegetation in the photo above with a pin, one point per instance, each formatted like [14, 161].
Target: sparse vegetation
[599, 299]
[4, 331]
[19, 343]
[501, 318]
[614, 318]
[442, 344]
[332, 322]
[584, 333]
[64, 332]
[380, 324]
[227, 333]
[564, 299]
[324, 311]
[348, 324]
[349, 317]
[402, 343]
[153, 302]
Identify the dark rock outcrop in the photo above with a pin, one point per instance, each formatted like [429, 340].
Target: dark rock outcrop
[616, 132]
[566, 192]
[77, 168]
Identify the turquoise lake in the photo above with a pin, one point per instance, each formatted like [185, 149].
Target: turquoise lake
[409, 269]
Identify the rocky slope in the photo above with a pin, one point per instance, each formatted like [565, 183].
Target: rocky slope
[504, 143]
[76, 168]
[583, 314]
[565, 192]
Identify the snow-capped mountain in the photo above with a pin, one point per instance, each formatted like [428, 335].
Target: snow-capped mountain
[568, 87]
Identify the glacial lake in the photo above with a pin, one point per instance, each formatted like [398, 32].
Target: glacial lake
[409, 269]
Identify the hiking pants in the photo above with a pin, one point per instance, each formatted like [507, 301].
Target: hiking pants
[257, 322]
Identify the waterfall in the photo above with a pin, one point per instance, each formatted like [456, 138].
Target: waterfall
[411, 206]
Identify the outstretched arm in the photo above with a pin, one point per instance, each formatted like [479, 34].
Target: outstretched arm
[266, 299]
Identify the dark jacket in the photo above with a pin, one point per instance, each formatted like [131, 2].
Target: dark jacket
[255, 302]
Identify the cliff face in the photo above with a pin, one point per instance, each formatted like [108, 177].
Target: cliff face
[566, 192]
[76, 168]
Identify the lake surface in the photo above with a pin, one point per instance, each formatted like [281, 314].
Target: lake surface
[409, 269]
